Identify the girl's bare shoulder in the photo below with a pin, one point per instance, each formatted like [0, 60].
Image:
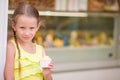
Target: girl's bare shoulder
[10, 47]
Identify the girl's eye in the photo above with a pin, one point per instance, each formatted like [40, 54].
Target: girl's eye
[22, 27]
[32, 28]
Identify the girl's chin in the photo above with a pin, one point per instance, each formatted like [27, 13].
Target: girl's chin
[26, 40]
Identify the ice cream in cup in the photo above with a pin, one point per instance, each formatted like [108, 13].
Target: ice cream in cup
[45, 61]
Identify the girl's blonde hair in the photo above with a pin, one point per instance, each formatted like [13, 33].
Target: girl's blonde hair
[27, 10]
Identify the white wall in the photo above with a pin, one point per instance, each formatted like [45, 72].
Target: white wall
[3, 34]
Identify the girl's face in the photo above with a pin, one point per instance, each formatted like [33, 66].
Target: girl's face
[25, 28]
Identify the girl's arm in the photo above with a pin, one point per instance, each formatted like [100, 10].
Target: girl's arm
[9, 65]
[47, 71]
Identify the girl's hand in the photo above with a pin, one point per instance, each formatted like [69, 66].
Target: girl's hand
[48, 71]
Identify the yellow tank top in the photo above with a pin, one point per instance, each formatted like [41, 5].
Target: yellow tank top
[30, 66]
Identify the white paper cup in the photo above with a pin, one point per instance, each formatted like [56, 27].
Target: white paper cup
[44, 63]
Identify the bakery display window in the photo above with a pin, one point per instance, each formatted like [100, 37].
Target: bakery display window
[76, 31]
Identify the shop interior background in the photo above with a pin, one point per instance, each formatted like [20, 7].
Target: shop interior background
[80, 35]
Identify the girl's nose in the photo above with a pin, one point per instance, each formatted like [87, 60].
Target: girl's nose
[27, 32]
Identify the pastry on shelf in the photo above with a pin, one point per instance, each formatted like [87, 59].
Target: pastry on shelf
[39, 4]
[111, 5]
[110, 41]
[58, 42]
[102, 38]
[48, 41]
[73, 41]
[94, 42]
[95, 5]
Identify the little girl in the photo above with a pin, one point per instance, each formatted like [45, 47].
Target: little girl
[23, 55]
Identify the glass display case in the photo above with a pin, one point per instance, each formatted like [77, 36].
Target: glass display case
[85, 41]
[77, 40]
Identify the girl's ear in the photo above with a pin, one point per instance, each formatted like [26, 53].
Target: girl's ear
[13, 26]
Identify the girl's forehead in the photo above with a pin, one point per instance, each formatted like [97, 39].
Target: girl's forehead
[25, 19]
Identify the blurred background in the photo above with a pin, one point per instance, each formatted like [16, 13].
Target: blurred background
[81, 36]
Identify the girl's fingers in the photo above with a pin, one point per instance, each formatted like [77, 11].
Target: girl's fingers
[50, 67]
